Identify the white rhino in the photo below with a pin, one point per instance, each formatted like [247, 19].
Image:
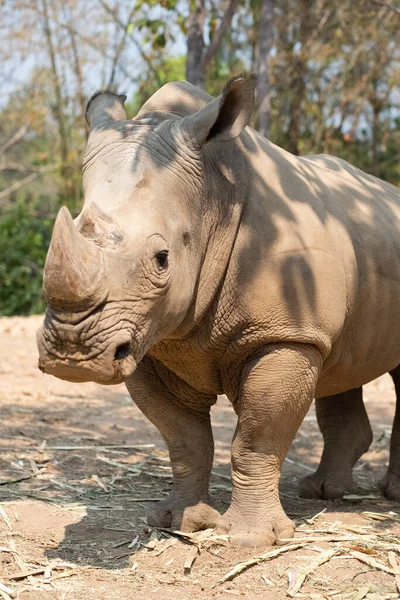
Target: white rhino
[206, 261]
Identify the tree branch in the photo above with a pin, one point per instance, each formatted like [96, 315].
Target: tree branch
[19, 184]
[219, 35]
[14, 139]
[91, 44]
[120, 47]
[195, 73]
[13, 166]
[77, 63]
[16, 186]
[387, 5]
[59, 105]
[124, 26]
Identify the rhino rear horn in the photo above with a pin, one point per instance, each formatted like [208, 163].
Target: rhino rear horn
[103, 108]
[73, 274]
[100, 227]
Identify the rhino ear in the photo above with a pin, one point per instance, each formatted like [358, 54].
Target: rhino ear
[225, 117]
[103, 108]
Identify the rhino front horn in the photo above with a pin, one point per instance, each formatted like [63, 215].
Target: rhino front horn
[73, 274]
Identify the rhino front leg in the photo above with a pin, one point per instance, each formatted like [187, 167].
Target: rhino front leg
[390, 484]
[347, 434]
[188, 435]
[276, 389]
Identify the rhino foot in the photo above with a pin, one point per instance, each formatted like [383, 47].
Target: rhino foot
[390, 486]
[252, 534]
[328, 486]
[184, 515]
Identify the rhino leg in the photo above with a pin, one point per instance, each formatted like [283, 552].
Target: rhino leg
[347, 434]
[275, 391]
[188, 435]
[390, 484]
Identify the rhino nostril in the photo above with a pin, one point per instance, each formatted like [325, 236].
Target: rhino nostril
[122, 351]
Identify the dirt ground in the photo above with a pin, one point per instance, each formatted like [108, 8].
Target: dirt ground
[80, 466]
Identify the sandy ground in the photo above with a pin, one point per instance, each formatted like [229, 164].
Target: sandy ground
[72, 508]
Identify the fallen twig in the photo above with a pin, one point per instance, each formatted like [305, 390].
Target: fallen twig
[187, 537]
[153, 541]
[362, 592]
[242, 566]
[26, 574]
[315, 517]
[191, 557]
[20, 478]
[114, 463]
[298, 464]
[145, 499]
[300, 577]
[327, 538]
[359, 497]
[4, 516]
[16, 555]
[379, 516]
[111, 447]
[163, 545]
[65, 574]
[393, 563]
[7, 590]
[372, 562]
[97, 480]
[134, 542]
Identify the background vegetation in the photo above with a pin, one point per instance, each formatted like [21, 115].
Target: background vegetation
[328, 81]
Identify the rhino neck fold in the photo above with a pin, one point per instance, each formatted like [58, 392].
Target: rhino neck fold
[226, 200]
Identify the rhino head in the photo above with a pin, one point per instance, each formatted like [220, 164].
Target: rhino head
[124, 275]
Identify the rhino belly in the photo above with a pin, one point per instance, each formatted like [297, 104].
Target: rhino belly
[369, 345]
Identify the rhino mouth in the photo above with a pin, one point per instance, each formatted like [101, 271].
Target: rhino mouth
[111, 366]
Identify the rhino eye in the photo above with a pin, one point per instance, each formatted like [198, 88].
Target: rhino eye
[162, 259]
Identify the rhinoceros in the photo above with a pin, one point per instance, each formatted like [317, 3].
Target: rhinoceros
[205, 261]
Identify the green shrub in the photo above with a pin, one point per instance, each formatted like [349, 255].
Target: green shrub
[24, 239]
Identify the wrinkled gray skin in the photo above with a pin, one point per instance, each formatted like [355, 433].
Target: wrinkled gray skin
[206, 260]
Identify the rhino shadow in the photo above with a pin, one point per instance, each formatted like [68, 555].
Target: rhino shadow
[112, 519]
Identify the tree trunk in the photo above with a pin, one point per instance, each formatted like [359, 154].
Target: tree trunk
[297, 91]
[199, 56]
[59, 106]
[195, 73]
[77, 65]
[376, 107]
[298, 85]
[263, 77]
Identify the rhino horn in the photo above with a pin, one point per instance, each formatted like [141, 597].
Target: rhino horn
[100, 227]
[73, 273]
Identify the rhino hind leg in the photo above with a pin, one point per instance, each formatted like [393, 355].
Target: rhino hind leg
[390, 484]
[347, 434]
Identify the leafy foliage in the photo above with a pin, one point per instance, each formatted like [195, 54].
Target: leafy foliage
[167, 69]
[24, 240]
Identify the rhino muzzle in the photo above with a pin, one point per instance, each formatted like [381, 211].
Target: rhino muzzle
[72, 362]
